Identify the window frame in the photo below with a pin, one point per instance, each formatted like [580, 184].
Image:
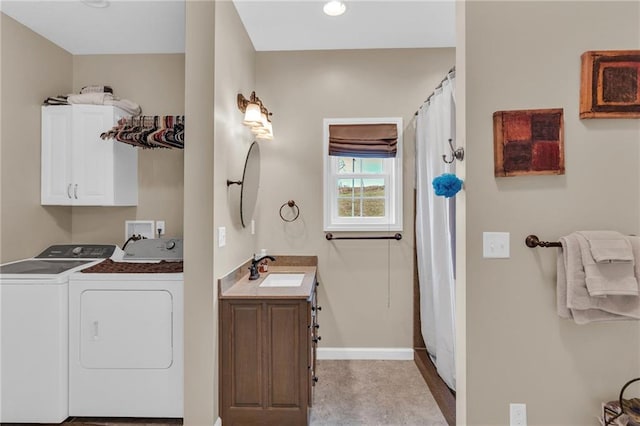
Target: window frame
[392, 173]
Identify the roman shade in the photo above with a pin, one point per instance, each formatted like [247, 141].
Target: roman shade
[363, 140]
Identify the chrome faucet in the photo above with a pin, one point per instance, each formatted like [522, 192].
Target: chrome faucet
[253, 269]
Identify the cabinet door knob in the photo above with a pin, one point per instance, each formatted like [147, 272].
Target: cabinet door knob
[69, 191]
[317, 339]
[317, 284]
[75, 191]
[316, 308]
[315, 379]
[316, 326]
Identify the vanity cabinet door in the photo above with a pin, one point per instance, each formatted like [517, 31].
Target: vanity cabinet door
[264, 359]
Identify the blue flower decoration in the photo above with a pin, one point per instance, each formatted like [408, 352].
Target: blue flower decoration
[447, 185]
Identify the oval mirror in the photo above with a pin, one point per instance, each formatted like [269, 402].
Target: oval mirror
[250, 184]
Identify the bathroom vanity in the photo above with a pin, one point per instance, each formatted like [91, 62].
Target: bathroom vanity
[268, 338]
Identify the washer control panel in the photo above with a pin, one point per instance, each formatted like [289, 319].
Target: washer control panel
[154, 249]
[80, 251]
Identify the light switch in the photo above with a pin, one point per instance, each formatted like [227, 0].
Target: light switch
[495, 245]
[222, 236]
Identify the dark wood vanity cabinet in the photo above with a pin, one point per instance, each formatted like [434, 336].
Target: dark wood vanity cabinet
[267, 359]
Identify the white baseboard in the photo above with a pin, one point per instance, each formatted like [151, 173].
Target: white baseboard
[396, 354]
[218, 422]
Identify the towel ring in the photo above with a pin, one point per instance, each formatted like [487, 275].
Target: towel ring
[291, 204]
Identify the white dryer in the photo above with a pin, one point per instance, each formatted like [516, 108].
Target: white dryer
[126, 334]
[34, 331]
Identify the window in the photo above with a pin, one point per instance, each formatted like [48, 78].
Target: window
[363, 191]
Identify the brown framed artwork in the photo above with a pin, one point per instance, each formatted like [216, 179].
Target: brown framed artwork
[528, 142]
[610, 84]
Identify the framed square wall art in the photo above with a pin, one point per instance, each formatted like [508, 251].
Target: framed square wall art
[610, 84]
[528, 142]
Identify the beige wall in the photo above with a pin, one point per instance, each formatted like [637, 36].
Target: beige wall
[32, 69]
[156, 83]
[524, 55]
[200, 374]
[235, 73]
[366, 286]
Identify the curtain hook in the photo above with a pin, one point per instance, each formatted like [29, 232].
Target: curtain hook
[456, 154]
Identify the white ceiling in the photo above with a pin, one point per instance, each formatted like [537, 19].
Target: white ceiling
[157, 26]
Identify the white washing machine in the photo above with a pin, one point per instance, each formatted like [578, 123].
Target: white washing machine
[126, 334]
[34, 331]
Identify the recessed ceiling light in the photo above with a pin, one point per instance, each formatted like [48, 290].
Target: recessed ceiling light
[96, 3]
[334, 8]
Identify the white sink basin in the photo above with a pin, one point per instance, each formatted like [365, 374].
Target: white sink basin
[276, 279]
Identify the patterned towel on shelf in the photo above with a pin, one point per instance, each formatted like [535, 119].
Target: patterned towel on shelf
[149, 131]
[56, 100]
[611, 414]
[632, 410]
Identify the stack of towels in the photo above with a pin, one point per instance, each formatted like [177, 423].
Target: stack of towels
[598, 277]
[95, 95]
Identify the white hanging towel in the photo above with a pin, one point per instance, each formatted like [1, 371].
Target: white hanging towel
[608, 263]
[573, 298]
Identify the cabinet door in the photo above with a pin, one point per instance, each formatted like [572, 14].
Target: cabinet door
[93, 159]
[56, 162]
[285, 358]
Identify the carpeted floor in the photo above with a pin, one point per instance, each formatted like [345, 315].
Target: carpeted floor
[369, 393]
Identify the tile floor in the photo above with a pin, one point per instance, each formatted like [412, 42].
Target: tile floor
[348, 393]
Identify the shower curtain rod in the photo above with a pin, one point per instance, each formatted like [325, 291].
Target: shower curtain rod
[453, 69]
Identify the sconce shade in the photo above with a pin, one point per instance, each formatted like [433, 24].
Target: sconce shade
[263, 120]
[268, 132]
[256, 116]
[252, 115]
[265, 136]
[258, 130]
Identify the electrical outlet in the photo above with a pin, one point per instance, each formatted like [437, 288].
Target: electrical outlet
[518, 414]
[160, 227]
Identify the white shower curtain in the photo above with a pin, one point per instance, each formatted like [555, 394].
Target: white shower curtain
[435, 229]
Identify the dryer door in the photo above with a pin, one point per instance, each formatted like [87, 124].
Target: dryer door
[126, 329]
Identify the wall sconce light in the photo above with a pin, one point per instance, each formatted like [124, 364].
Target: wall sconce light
[256, 116]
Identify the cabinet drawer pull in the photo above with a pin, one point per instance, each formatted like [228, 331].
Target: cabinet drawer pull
[315, 380]
[316, 308]
[317, 339]
[69, 191]
[317, 326]
[75, 191]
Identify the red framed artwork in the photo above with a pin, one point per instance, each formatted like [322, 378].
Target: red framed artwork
[610, 84]
[528, 142]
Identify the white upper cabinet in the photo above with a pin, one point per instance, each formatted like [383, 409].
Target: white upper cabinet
[79, 168]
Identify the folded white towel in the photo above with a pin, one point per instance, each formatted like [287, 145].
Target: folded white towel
[90, 98]
[126, 105]
[608, 246]
[573, 299]
[607, 279]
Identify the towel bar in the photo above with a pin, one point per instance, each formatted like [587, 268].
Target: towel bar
[329, 236]
[533, 241]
